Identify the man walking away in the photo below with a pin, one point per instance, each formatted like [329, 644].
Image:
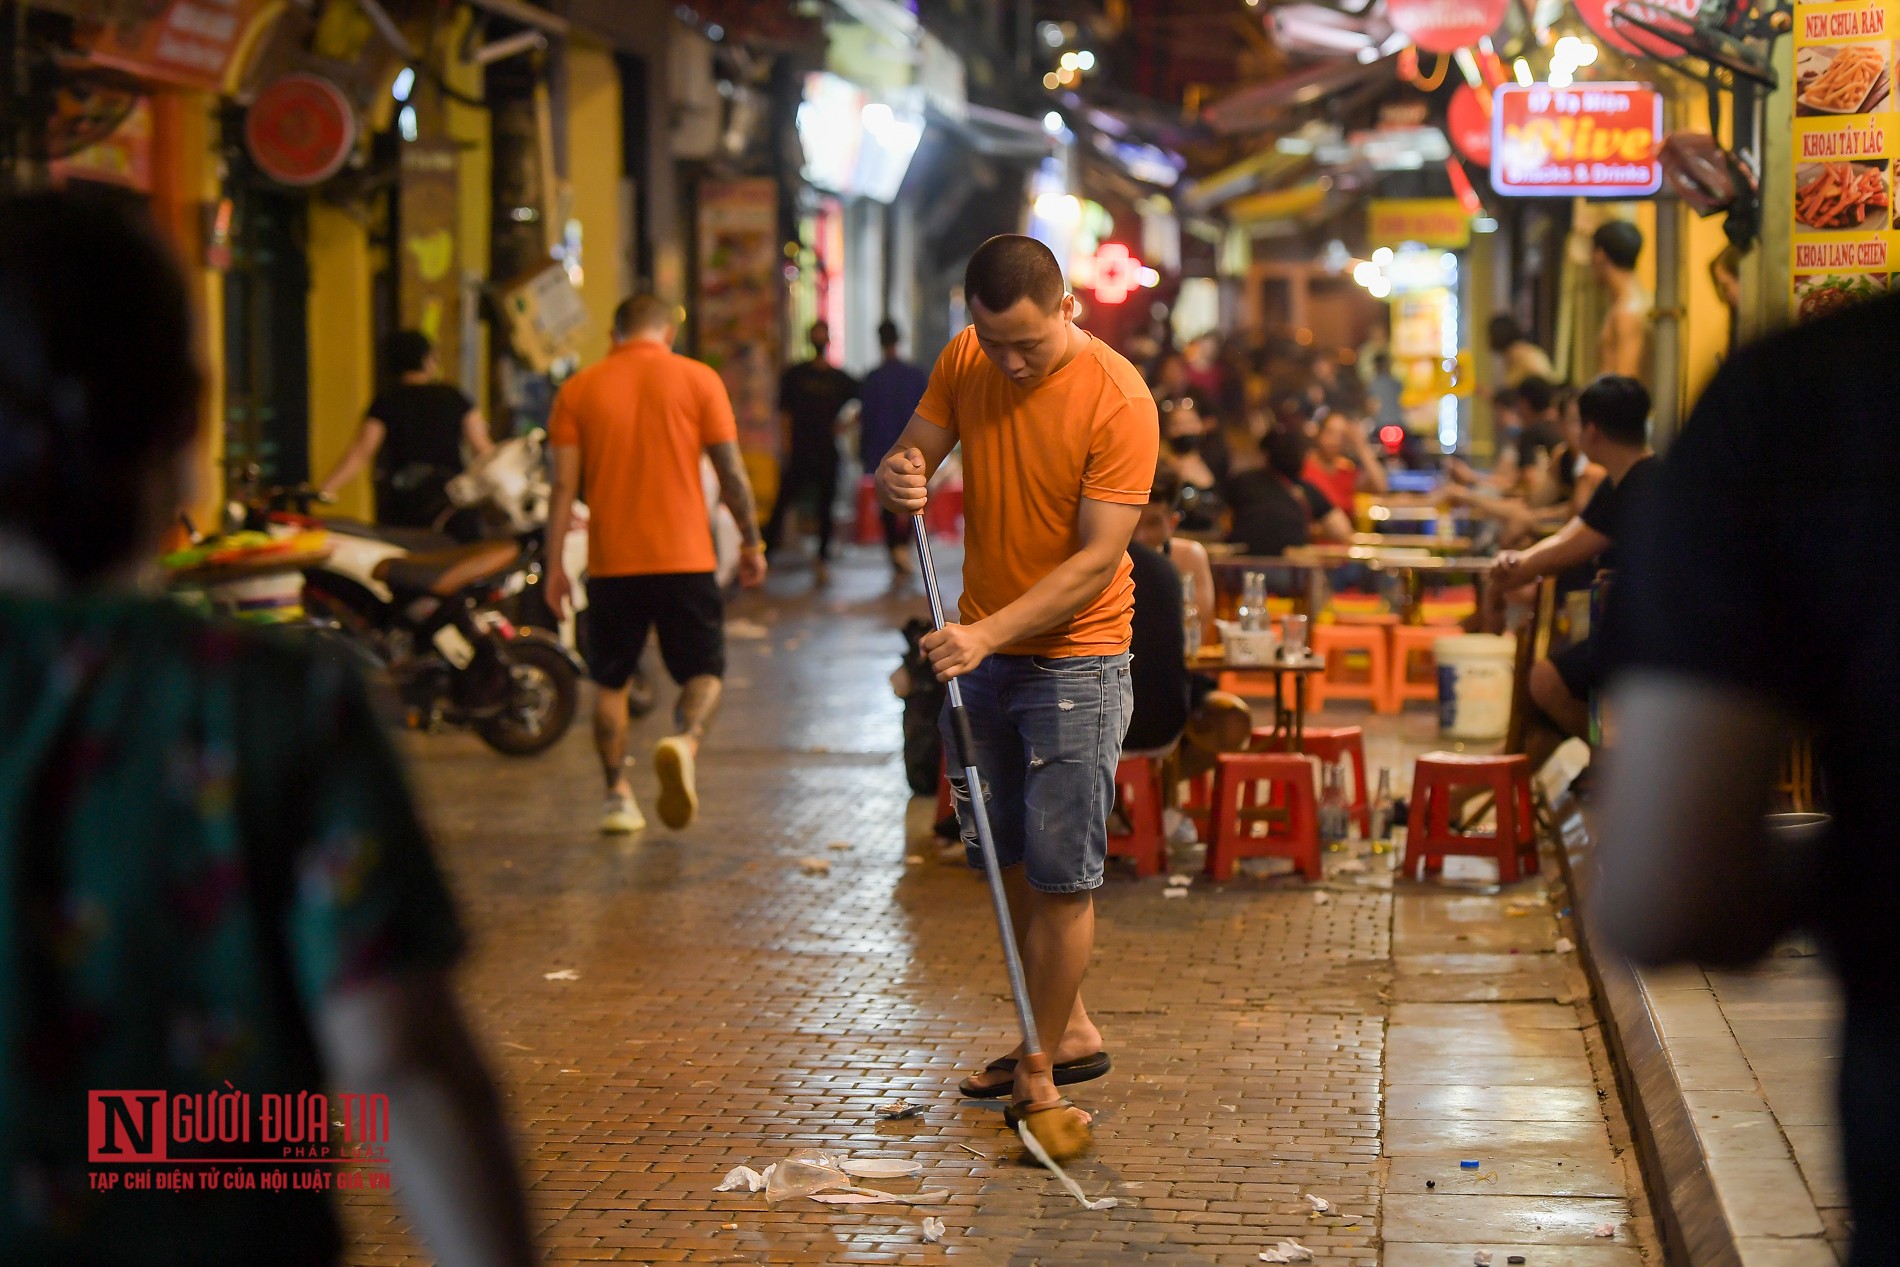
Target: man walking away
[628, 433]
[415, 433]
[1060, 439]
[810, 396]
[891, 393]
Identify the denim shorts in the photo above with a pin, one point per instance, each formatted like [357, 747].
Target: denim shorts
[1048, 736]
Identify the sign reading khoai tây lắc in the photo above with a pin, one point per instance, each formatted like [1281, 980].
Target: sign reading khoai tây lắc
[1844, 126]
[1588, 141]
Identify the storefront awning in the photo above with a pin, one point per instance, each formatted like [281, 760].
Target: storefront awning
[996, 133]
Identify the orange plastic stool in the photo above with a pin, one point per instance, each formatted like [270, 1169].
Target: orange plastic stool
[1429, 837]
[1333, 642]
[1138, 791]
[1409, 641]
[1288, 779]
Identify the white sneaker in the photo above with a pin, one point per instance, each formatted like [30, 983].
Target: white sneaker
[679, 797]
[622, 816]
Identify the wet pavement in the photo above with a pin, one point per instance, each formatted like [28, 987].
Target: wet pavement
[728, 1006]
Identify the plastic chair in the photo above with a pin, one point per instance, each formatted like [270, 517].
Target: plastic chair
[1335, 642]
[1335, 745]
[1409, 641]
[1430, 838]
[1264, 807]
[1138, 791]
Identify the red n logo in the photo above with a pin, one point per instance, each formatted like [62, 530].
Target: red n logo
[125, 1126]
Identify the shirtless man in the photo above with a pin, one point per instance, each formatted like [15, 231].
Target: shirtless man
[1623, 339]
[1060, 439]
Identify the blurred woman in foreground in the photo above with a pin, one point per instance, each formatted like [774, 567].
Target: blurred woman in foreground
[213, 878]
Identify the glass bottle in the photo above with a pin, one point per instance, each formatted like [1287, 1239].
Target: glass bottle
[1335, 817]
[1190, 628]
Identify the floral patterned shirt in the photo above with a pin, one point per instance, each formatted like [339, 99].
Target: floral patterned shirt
[204, 831]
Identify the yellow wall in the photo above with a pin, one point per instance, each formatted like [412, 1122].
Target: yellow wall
[342, 358]
[1705, 324]
[468, 127]
[594, 170]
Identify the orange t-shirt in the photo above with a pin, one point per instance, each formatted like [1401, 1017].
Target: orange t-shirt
[1030, 455]
[642, 417]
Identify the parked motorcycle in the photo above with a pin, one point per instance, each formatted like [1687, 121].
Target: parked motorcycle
[430, 611]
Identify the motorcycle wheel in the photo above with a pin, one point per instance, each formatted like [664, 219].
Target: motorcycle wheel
[543, 694]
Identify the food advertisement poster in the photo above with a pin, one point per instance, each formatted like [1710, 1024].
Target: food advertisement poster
[1845, 248]
[738, 300]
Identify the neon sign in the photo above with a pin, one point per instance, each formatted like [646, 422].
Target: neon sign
[1113, 273]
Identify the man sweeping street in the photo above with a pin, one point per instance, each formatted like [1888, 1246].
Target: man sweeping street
[1060, 438]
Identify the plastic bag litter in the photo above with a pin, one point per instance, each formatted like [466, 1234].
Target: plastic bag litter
[564, 974]
[1481, 1258]
[1321, 897]
[741, 1177]
[871, 1196]
[1174, 893]
[1180, 880]
[1287, 1252]
[1041, 1154]
[882, 1168]
[1320, 1204]
[933, 1229]
[803, 1174]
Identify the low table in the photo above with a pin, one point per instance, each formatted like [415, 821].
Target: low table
[1289, 723]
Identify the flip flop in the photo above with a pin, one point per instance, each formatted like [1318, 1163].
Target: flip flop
[1069, 1072]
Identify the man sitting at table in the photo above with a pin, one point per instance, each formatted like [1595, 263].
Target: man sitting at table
[1615, 414]
[1275, 508]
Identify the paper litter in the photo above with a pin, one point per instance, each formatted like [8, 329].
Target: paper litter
[897, 1110]
[747, 629]
[933, 1229]
[1606, 1229]
[839, 845]
[565, 974]
[815, 866]
[741, 1177]
[1287, 1252]
[1320, 1204]
[1321, 897]
[1180, 880]
[1174, 893]
[1481, 1258]
[1563, 945]
[1041, 1154]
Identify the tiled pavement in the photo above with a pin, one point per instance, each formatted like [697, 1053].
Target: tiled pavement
[730, 1008]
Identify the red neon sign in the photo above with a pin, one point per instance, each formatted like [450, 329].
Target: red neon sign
[1113, 273]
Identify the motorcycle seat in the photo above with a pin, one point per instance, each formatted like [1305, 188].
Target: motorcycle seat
[415, 540]
[447, 572]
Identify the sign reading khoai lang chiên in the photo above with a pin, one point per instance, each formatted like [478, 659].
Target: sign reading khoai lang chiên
[1589, 141]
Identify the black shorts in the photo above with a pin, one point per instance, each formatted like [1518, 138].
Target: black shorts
[1579, 666]
[684, 606]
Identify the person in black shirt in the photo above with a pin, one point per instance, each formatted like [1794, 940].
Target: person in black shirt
[1275, 508]
[1158, 673]
[1758, 601]
[1615, 414]
[414, 432]
[810, 397]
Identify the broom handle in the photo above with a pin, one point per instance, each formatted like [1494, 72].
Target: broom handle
[965, 743]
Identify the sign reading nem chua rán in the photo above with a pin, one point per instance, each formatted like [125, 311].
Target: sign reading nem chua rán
[1589, 141]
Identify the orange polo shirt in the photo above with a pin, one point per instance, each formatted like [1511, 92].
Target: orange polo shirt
[642, 416]
[1030, 455]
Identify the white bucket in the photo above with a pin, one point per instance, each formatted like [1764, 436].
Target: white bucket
[1474, 684]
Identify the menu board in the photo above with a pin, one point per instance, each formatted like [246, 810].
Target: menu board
[1847, 135]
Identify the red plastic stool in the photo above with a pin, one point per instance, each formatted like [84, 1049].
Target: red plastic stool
[944, 513]
[1408, 642]
[869, 530]
[1429, 837]
[1242, 830]
[1197, 803]
[1337, 744]
[1333, 643]
[1138, 791]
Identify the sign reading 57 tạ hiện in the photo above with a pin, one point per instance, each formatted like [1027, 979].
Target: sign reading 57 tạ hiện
[1589, 141]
